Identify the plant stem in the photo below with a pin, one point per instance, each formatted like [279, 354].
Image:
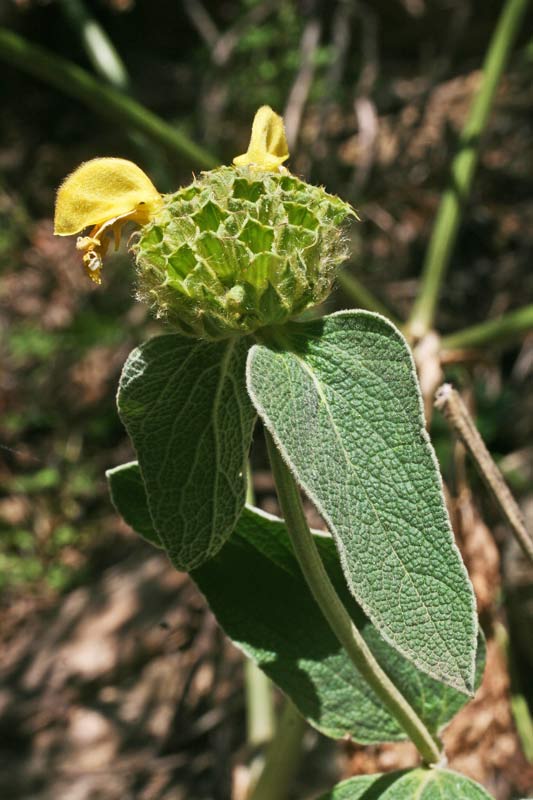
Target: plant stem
[493, 331]
[362, 297]
[259, 705]
[519, 705]
[450, 403]
[335, 613]
[105, 100]
[259, 710]
[445, 229]
[282, 757]
[97, 44]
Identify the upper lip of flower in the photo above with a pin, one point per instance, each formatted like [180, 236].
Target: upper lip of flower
[103, 194]
[268, 147]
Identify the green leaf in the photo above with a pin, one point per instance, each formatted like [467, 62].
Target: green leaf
[259, 596]
[422, 784]
[185, 407]
[129, 498]
[342, 403]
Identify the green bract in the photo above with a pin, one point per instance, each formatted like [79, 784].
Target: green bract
[239, 249]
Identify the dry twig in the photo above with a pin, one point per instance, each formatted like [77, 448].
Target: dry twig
[449, 401]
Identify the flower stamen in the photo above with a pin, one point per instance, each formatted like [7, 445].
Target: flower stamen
[96, 243]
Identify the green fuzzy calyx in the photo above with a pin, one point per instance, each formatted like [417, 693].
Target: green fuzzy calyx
[240, 249]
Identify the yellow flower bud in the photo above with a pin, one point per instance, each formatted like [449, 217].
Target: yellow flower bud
[103, 194]
[268, 147]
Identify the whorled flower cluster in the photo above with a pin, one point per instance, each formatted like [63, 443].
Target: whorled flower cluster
[240, 249]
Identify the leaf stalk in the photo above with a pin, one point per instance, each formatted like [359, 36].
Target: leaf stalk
[335, 613]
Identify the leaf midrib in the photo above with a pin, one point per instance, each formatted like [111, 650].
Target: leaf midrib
[321, 395]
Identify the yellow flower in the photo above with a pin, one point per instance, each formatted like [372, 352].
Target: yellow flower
[103, 194]
[268, 147]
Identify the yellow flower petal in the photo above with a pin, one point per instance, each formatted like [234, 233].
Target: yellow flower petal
[103, 194]
[268, 146]
[101, 190]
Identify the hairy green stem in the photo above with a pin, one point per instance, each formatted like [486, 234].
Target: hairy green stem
[98, 46]
[104, 100]
[508, 326]
[335, 613]
[446, 227]
[362, 297]
[282, 757]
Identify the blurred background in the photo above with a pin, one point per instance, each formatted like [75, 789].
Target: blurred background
[116, 681]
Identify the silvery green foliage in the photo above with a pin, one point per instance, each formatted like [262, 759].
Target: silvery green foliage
[128, 494]
[184, 404]
[240, 249]
[341, 400]
[257, 592]
[416, 784]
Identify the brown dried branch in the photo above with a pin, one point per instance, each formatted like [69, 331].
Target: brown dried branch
[449, 401]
